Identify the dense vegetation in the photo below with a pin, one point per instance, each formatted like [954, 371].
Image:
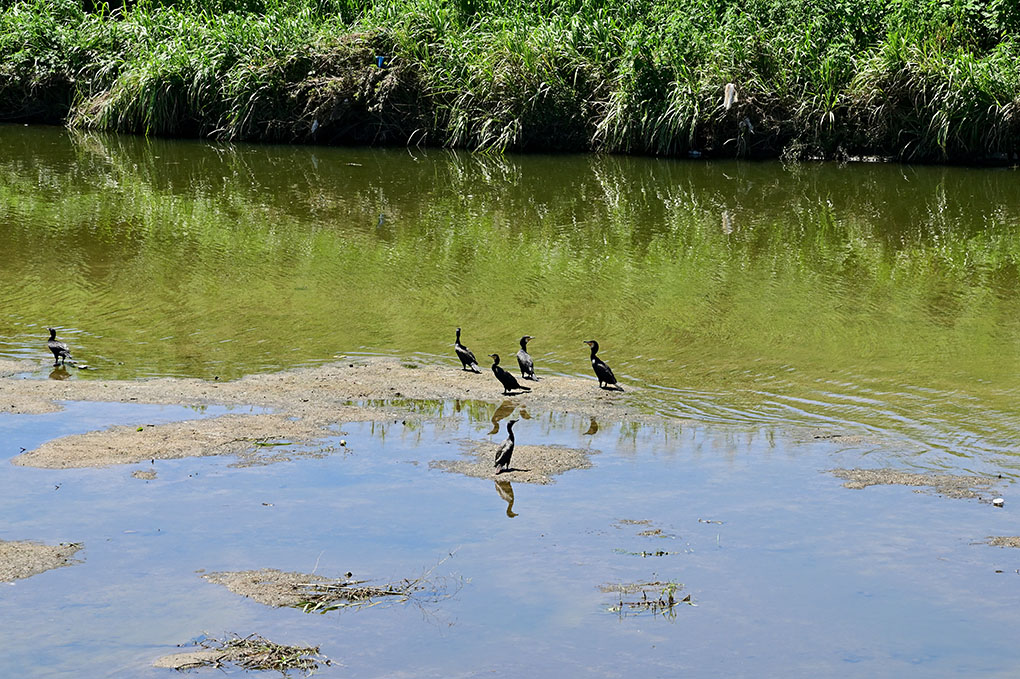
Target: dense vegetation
[930, 80]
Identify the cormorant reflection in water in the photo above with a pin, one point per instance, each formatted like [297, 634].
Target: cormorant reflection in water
[506, 491]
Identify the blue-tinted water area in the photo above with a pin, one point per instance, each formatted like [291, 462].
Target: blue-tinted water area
[791, 574]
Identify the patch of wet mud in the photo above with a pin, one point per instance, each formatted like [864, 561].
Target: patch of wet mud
[1004, 541]
[9, 367]
[948, 485]
[315, 393]
[530, 464]
[190, 660]
[144, 474]
[253, 652]
[225, 435]
[317, 594]
[844, 438]
[307, 404]
[649, 530]
[268, 586]
[23, 559]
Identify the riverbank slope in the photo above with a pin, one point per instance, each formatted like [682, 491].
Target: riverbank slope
[918, 80]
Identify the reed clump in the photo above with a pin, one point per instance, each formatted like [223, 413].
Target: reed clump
[920, 80]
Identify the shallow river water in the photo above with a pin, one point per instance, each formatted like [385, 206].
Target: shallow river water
[762, 306]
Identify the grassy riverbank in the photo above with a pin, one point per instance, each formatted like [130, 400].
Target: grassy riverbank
[921, 80]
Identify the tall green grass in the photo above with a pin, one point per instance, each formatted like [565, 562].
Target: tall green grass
[922, 80]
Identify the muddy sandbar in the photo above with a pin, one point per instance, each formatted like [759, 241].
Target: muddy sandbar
[306, 404]
[268, 586]
[23, 559]
[949, 485]
[9, 367]
[530, 464]
[190, 660]
[1004, 541]
[315, 393]
[253, 652]
[226, 435]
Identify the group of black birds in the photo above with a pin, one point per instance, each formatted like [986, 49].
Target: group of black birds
[603, 372]
[607, 380]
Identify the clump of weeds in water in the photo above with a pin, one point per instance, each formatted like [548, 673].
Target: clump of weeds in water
[660, 598]
[255, 652]
[323, 597]
[917, 79]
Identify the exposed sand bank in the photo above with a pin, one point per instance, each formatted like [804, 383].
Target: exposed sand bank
[530, 464]
[23, 559]
[227, 435]
[268, 586]
[315, 393]
[306, 404]
[949, 485]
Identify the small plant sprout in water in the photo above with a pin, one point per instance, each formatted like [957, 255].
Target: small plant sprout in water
[659, 598]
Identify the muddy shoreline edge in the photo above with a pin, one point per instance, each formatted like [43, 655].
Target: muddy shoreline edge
[298, 406]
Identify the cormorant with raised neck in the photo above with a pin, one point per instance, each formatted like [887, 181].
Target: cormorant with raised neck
[506, 449]
[467, 359]
[509, 381]
[602, 371]
[524, 359]
[60, 350]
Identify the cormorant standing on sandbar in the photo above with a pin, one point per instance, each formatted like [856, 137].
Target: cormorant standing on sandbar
[509, 381]
[467, 359]
[60, 350]
[505, 450]
[602, 371]
[524, 359]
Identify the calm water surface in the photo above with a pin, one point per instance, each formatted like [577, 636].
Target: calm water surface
[791, 575]
[881, 298]
[753, 299]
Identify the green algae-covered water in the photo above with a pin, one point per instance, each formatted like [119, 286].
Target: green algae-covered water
[882, 298]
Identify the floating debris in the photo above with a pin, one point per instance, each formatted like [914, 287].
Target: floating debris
[650, 532]
[645, 554]
[317, 594]
[730, 96]
[322, 597]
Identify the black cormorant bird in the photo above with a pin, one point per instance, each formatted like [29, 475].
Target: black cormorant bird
[602, 371]
[467, 359]
[506, 449]
[60, 351]
[509, 381]
[524, 359]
